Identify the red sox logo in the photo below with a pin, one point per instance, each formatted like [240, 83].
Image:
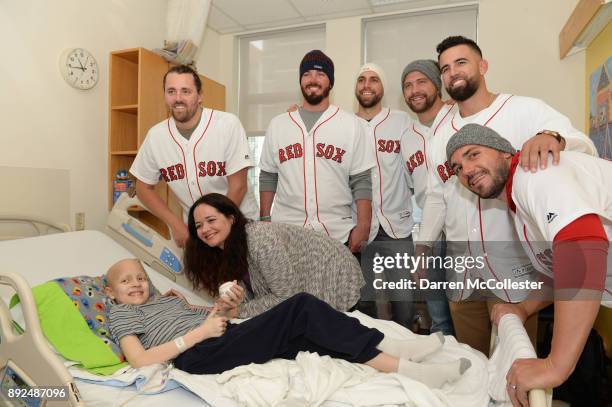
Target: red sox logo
[205, 168]
[445, 172]
[416, 160]
[389, 146]
[323, 150]
[290, 152]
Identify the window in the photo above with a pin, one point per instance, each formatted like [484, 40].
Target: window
[394, 41]
[269, 83]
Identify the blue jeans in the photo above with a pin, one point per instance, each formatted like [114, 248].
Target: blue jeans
[437, 303]
[402, 303]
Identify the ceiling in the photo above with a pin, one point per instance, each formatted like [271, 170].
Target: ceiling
[233, 16]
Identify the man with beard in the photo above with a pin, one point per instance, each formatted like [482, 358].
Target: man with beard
[478, 228]
[392, 221]
[422, 89]
[563, 216]
[315, 162]
[196, 151]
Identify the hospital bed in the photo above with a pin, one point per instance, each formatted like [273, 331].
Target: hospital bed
[28, 360]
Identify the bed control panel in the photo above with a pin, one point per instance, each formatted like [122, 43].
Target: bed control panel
[169, 259]
[160, 253]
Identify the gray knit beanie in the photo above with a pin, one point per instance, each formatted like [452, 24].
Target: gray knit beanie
[480, 135]
[427, 67]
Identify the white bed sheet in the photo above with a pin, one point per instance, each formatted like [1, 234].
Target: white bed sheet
[91, 253]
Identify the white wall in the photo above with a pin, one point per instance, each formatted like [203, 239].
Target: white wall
[48, 124]
[519, 38]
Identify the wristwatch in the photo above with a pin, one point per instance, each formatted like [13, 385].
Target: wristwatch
[551, 133]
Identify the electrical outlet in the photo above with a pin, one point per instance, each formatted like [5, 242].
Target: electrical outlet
[79, 221]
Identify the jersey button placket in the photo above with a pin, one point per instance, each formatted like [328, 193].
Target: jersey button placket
[310, 157]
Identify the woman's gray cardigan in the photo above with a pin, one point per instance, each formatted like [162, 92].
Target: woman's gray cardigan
[286, 259]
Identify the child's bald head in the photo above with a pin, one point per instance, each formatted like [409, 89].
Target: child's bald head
[127, 282]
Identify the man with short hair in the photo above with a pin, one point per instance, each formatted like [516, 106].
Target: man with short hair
[422, 90]
[196, 151]
[529, 124]
[563, 217]
[315, 162]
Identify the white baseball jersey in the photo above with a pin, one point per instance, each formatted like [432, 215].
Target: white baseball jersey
[216, 149]
[549, 200]
[415, 147]
[465, 217]
[313, 169]
[391, 195]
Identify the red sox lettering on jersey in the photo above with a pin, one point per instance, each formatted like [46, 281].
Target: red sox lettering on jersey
[415, 150]
[445, 171]
[327, 151]
[389, 146]
[177, 171]
[415, 160]
[546, 258]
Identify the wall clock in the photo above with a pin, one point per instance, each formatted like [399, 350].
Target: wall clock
[79, 68]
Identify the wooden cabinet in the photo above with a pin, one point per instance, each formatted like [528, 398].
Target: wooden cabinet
[136, 103]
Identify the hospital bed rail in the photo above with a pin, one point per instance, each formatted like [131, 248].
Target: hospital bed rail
[537, 397]
[41, 225]
[25, 353]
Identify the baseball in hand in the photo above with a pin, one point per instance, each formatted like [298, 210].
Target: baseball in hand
[225, 288]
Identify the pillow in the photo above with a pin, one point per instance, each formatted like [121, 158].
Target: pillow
[73, 316]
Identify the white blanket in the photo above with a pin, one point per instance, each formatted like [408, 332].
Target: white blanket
[312, 380]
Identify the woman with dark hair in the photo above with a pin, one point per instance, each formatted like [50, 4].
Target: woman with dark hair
[273, 261]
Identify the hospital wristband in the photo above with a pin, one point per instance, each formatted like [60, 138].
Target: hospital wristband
[180, 344]
[265, 218]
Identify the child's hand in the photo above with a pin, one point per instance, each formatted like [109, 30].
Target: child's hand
[214, 325]
[174, 293]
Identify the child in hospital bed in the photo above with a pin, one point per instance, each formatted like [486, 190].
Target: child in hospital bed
[202, 341]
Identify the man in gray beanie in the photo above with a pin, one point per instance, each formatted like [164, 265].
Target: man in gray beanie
[564, 218]
[427, 67]
[421, 87]
[462, 143]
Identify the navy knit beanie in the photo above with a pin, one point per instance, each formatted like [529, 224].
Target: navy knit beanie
[317, 60]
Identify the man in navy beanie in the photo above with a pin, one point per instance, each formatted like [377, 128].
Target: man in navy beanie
[317, 60]
[316, 161]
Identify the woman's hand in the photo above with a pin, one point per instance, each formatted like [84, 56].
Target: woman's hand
[231, 299]
[214, 325]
